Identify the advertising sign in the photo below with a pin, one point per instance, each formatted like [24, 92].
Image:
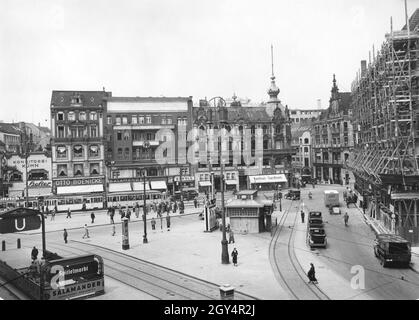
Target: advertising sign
[19, 224]
[76, 290]
[125, 238]
[74, 268]
[77, 182]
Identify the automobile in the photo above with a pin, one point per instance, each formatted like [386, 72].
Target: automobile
[314, 214]
[315, 223]
[293, 195]
[187, 195]
[316, 237]
[392, 249]
[334, 210]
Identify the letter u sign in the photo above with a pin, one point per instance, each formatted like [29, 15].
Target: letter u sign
[22, 227]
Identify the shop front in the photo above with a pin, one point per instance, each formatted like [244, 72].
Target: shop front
[268, 182]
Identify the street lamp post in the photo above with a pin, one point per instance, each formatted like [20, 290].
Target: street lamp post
[146, 146]
[219, 103]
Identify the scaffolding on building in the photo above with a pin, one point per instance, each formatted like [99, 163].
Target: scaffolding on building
[386, 119]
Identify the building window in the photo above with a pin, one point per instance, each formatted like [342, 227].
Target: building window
[93, 116]
[126, 154]
[306, 141]
[94, 151]
[78, 151]
[118, 120]
[148, 119]
[134, 120]
[169, 120]
[109, 119]
[305, 149]
[163, 120]
[93, 131]
[119, 135]
[78, 170]
[120, 152]
[141, 120]
[82, 116]
[62, 170]
[71, 116]
[126, 135]
[61, 152]
[73, 132]
[94, 169]
[115, 174]
[124, 120]
[60, 131]
[80, 132]
[60, 116]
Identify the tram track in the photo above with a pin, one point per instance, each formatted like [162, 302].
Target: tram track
[161, 283]
[296, 286]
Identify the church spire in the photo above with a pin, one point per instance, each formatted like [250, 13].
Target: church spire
[273, 90]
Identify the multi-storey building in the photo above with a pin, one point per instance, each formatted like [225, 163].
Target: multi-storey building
[302, 160]
[274, 166]
[77, 146]
[10, 136]
[386, 115]
[332, 139]
[304, 116]
[135, 128]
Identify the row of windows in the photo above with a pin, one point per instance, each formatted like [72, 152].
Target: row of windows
[78, 170]
[147, 119]
[77, 132]
[73, 116]
[227, 175]
[138, 173]
[78, 151]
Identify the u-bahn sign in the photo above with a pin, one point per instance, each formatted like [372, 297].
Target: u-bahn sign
[19, 219]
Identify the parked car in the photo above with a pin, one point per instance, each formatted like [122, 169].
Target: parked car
[314, 214]
[392, 249]
[316, 237]
[187, 195]
[315, 222]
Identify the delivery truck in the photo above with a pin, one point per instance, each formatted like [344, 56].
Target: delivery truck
[331, 198]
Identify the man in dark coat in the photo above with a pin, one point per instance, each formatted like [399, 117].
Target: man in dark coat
[65, 235]
[312, 274]
[168, 222]
[234, 254]
[92, 216]
[302, 216]
[34, 253]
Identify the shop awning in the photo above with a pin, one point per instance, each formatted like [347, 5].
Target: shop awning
[273, 178]
[158, 185]
[80, 189]
[139, 186]
[205, 184]
[231, 182]
[120, 187]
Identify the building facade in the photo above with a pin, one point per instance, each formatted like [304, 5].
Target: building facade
[10, 136]
[302, 161]
[332, 139]
[77, 145]
[136, 129]
[385, 161]
[304, 116]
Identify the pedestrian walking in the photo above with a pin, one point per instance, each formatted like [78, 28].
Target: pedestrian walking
[92, 216]
[137, 211]
[129, 214]
[86, 232]
[168, 221]
[34, 253]
[112, 214]
[231, 237]
[234, 254]
[181, 207]
[302, 216]
[122, 214]
[68, 213]
[65, 235]
[175, 207]
[153, 224]
[53, 215]
[195, 202]
[113, 230]
[311, 274]
[346, 218]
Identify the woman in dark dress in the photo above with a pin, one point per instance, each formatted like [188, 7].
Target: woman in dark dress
[234, 254]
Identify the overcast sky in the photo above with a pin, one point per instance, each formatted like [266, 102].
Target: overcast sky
[185, 48]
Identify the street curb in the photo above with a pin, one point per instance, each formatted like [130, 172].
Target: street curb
[108, 224]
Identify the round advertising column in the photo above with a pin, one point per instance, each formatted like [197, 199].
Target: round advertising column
[125, 238]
